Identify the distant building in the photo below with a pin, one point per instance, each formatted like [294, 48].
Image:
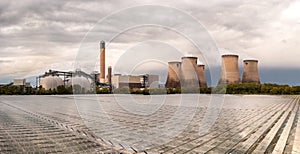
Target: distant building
[135, 81]
[153, 81]
[19, 82]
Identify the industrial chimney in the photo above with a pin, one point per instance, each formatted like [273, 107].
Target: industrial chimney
[189, 73]
[230, 71]
[102, 62]
[174, 73]
[201, 75]
[250, 74]
[109, 75]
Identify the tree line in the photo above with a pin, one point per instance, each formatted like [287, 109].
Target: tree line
[244, 88]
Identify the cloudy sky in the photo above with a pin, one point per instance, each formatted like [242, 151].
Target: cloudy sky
[37, 35]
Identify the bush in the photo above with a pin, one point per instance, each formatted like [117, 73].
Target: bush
[122, 90]
[190, 90]
[157, 91]
[104, 90]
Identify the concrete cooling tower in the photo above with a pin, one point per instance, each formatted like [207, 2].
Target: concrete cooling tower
[201, 75]
[230, 71]
[102, 62]
[174, 73]
[250, 74]
[188, 72]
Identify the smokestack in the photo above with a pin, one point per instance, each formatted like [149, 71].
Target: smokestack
[230, 71]
[250, 74]
[102, 61]
[109, 75]
[174, 73]
[188, 70]
[201, 75]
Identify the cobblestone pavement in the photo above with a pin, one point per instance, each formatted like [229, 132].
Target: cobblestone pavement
[114, 124]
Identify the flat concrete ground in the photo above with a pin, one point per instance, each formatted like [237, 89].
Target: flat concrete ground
[150, 124]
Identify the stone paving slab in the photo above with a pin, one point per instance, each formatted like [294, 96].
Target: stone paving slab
[107, 127]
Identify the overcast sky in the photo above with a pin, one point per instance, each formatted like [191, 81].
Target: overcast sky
[37, 35]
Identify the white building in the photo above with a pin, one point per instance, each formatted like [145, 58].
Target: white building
[135, 81]
[19, 82]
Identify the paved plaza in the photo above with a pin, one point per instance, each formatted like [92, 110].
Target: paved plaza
[187, 123]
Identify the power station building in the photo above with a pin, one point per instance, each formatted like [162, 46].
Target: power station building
[19, 82]
[185, 74]
[135, 81]
[180, 74]
[230, 71]
[52, 79]
[250, 74]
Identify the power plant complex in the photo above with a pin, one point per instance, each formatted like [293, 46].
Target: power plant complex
[184, 73]
[52, 79]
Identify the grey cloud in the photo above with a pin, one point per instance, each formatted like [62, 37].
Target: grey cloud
[52, 27]
[5, 61]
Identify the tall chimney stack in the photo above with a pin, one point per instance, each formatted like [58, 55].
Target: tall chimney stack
[102, 62]
[109, 75]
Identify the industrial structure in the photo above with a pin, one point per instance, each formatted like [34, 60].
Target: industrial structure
[102, 62]
[174, 73]
[230, 71]
[188, 72]
[185, 74]
[250, 74]
[50, 82]
[109, 75]
[52, 79]
[135, 81]
[85, 81]
[201, 75]
[19, 82]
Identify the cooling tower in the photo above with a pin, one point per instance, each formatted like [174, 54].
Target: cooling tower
[174, 73]
[230, 72]
[201, 75]
[189, 73]
[250, 74]
[109, 75]
[102, 61]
